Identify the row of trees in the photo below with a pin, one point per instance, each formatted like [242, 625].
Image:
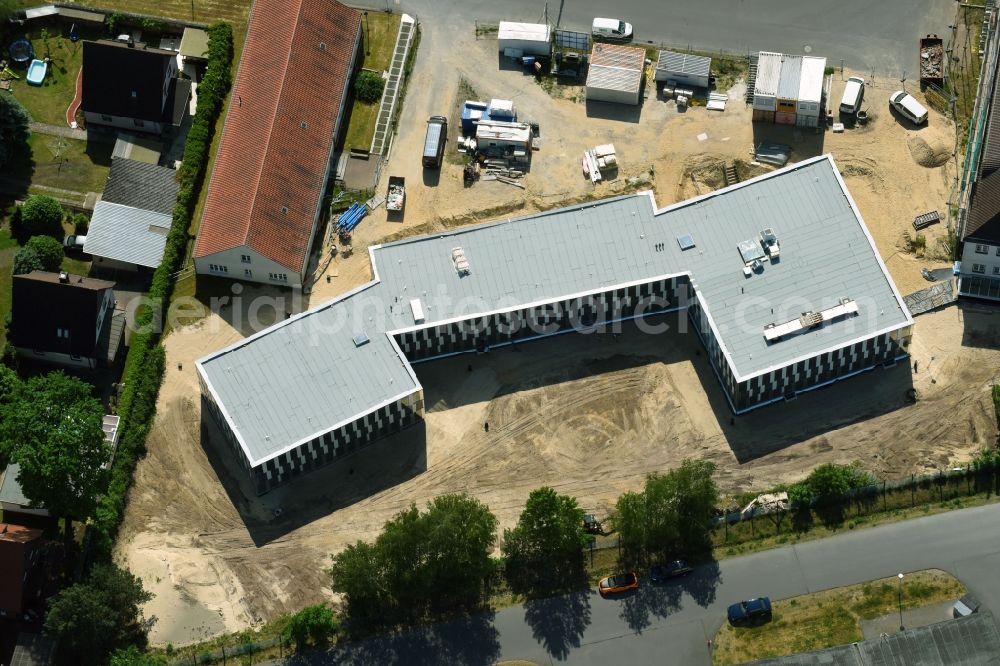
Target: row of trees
[427, 562]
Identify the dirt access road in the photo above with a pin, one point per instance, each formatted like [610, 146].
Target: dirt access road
[585, 414]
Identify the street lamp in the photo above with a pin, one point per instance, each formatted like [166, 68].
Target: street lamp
[368, 35]
[901, 602]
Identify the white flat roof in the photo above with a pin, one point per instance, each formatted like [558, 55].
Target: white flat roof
[307, 375]
[532, 32]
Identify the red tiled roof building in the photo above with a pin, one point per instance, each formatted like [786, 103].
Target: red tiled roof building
[275, 154]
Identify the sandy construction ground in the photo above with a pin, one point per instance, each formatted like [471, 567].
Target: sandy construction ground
[589, 415]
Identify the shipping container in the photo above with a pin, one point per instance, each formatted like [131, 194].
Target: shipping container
[525, 38]
[763, 116]
[784, 118]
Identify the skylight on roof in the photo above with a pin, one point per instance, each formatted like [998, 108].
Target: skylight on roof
[360, 339]
[751, 251]
[685, 241]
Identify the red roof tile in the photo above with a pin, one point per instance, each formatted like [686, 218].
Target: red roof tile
[15, 541]
[279, 129]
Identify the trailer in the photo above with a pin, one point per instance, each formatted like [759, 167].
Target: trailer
[395, 198]
[931, 61]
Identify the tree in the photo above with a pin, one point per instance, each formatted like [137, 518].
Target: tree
[49, 251]
[368, 86]
[26, 260]
[630, 522]
[461, 533]
[358, 574]
[313, 625]
[14, 120]
[697, 496]
[52, 428]
[420, 563]
[673, 513]
[546, 546]
[42, 216]
[95, 618]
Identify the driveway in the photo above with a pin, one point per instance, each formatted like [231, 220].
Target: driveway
[583, 628]
[868, 36]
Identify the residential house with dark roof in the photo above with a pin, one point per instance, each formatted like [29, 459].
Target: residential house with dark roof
[66, 319]
[18, 558]
[132, 86]
[274, 159]
[979, 276]
[129, 227]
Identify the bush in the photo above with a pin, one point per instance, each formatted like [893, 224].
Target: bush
[313, 625]
[81, 223]
[996, 401]
[42, 216]
[49, 251]
[145, 362]
[368, 86]
[26, 260]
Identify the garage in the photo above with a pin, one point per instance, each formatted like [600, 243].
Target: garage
[615, 74]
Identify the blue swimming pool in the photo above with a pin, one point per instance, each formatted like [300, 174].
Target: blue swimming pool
[36, 72]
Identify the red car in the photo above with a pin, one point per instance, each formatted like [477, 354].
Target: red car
[622, 582]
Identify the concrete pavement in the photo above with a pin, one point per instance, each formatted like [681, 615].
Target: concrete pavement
[672, 624]
[867, 36]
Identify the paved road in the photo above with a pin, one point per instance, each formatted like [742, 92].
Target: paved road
[672, 624]
[867, 35]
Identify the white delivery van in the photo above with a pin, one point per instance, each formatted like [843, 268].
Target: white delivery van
[611, 29]
[908, 107]
[854, 93]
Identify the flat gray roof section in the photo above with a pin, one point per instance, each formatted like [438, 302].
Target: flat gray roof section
[684, 63]
[305, 376]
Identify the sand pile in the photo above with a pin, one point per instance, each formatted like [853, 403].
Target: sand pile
[930, 155]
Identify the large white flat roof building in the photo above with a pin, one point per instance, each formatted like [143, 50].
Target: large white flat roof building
[776, 272]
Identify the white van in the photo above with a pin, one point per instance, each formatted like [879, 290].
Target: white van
[611, 29]
[854, 93]
[908, 107]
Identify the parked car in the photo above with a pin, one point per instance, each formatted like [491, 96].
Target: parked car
[622, 582]
[74, 243]
[967, 605]
[660, 573]
[611, 29]
[907, 106]
[750, 611]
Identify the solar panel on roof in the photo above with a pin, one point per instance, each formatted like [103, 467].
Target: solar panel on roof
[685, 241]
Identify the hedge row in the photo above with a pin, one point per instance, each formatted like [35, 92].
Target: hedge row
[144, 366]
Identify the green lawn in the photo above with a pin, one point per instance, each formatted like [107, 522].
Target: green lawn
[198, 11]
[8, 246]
[833, 617]
[376, 54]
[47, 103]
[64, 164]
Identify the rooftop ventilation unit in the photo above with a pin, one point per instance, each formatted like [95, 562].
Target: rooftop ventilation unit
[808, 320]
[418, 311]
[770, 243]
[461, 263]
